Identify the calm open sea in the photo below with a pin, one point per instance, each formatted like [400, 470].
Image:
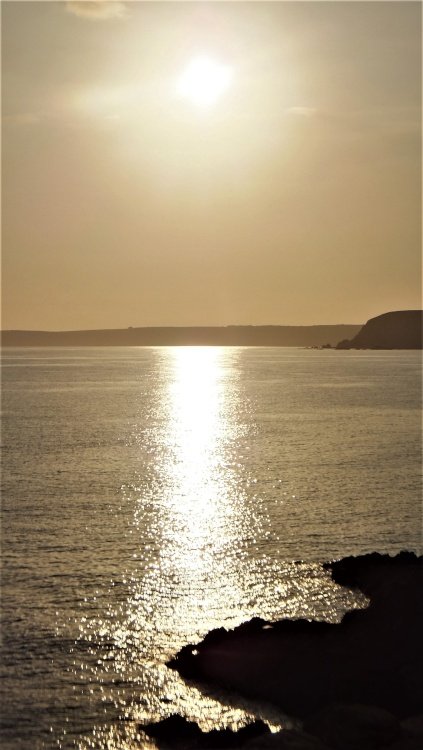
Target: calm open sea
[152, 494]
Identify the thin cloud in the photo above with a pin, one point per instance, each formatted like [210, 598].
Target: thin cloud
[97, 9]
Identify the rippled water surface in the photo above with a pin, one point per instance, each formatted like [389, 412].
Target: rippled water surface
[150, 495]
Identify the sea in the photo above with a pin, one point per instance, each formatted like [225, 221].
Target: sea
[150, 495]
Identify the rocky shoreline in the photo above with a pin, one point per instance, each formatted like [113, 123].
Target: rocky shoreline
[355, 685]
[338, 727]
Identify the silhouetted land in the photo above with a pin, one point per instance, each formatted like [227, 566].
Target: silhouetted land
[374, 657]
[356, 685]
[393, 330]
[186, 336]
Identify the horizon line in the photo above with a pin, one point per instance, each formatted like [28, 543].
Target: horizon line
[173, 326]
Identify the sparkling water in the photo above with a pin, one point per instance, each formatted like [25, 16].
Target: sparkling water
[152, 494]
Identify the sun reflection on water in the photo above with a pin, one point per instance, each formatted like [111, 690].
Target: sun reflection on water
[189, 528]
[193, 520]
[200, 514]
[198, 428]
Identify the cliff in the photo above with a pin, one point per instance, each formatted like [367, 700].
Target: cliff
[393, 330]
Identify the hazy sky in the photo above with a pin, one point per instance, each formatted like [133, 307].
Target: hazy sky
[293, 199]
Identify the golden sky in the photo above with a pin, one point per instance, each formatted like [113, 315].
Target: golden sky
[292, 198]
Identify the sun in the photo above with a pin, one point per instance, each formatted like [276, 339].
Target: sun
[204, 80]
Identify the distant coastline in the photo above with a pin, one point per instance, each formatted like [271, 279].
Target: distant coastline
[270, 335]
[400, 329]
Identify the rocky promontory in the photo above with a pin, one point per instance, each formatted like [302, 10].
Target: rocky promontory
[355, 685]
[373, 657]
[393, 330]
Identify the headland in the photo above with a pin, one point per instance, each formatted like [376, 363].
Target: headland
[355, 685]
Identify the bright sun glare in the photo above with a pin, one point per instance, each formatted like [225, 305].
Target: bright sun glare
[204, 80]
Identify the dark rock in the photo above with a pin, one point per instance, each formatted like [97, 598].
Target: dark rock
[373, 657]
[406, 743]
[175, 731]
[374, 572]
[174, 727]
[287, 739]
[346, 727]
[413, 726]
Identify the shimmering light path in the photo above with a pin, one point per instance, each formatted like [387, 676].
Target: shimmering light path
[198, 527]
[151, 495]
